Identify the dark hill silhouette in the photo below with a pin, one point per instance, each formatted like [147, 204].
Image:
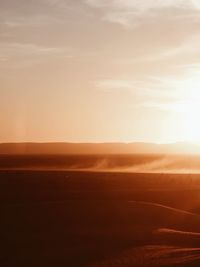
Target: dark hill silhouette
[98, 148]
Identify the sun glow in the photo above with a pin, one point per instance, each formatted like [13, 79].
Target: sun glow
[189, 108]
[192, 127]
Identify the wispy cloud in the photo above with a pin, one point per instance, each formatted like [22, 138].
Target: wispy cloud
[29, 53]
[130, 12]
[145, 4]
[189, 48]
[145, 89]
[30, 21]
[166, 93]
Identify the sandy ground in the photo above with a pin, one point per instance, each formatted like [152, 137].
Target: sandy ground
[94, 219]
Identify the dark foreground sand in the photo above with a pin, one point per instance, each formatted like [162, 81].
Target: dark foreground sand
[66, 218]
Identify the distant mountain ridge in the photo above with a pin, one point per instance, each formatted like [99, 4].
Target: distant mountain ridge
[98, 148]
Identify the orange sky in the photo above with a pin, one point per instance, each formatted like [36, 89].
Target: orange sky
[100, 71]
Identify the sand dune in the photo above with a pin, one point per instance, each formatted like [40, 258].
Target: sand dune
[150, 204]
[177, 232]
[152, 256]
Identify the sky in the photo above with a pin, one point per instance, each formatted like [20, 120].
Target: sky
[99, 71]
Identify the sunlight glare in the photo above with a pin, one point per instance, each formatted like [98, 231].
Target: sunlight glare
[189, 107]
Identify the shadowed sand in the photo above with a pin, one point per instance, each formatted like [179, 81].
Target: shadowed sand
[79, 219]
